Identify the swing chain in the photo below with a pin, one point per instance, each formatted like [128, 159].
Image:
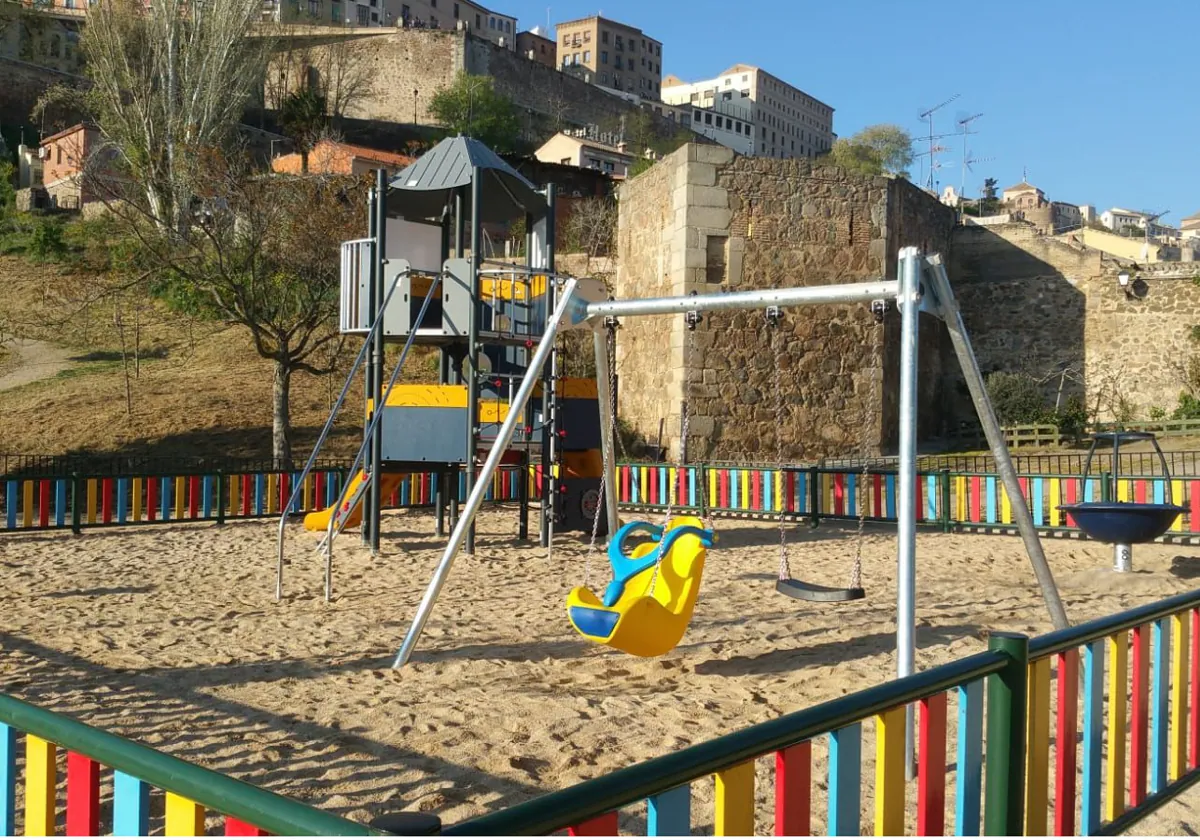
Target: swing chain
[610, 347]
[879, 309]
[774, 316]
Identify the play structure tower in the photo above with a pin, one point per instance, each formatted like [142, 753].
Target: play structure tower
[420, 277]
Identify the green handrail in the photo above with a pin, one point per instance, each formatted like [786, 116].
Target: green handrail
[586, 800]
[1100, 628]
[223, 794]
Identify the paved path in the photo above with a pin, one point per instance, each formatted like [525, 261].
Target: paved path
[31, 360]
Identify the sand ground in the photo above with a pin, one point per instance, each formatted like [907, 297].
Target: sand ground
[171, 635]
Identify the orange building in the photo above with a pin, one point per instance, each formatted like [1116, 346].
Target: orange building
[331, 157]
[64, 157]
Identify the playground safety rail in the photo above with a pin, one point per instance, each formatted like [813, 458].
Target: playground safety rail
[190, 790]
[1016, 674]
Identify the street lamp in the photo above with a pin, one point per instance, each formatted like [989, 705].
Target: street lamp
[415, 92]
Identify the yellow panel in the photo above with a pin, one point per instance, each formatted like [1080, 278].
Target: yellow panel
[40, 781]
[1037, 748]
[744, 487]
[91, 501]
[576, 389]
[1179, 695]
[184, 817]
[735, 802]
[427, 396]
[137, 500]
[27, 514]
[180, 491]
[1124, 492]
[780, 490]
[235, 490]
[713, 499]
[1118, 659]
[827, 492]
[673, 489]
[308, 494]
[1178, 498]
[272, 493]
[1055, 501]
[507, 288]
[1005, 505]
[960, 496]
[889, 773]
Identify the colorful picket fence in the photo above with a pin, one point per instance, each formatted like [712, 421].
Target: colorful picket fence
[952, 500]
[77, 502]
[1031, 770]
[31, 739]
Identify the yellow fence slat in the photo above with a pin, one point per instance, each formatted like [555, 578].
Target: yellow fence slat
[1118, 667]
[889, 773]
[734, 816]
[1179, 696]
[184, 818]
[40, 783]
[1037, 748]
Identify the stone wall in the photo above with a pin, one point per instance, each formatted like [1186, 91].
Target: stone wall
[734, 224]
[23, 84]
[1037, 304]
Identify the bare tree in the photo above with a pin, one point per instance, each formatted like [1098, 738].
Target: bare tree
[591, 230]
[339, 72]
[170, 80]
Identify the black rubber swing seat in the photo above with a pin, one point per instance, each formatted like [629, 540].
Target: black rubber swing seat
[803, 591]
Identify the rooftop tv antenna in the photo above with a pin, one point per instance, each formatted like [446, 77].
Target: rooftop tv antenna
[964, 128]
[928, 117]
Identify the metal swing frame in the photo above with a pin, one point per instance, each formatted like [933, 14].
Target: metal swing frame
[921, 286]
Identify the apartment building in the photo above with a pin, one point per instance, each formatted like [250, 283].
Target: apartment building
[754, 112]
[536, 46]
[477, 19]
[586, 153]
[619, 56]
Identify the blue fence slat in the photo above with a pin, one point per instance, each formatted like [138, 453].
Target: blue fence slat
[1038, 493]
[990, 498]
[845, 780]
[60, 502]
[933, 501]
[670, 813]
[8, 780]
[166, 488]
[889, 495]
[260, 494]
[968, 783]
[1160, 726]
[206, 486]
[122, 500]
[131, 806]
[1093, 736]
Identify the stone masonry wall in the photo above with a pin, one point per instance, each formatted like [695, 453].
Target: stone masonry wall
[23, 84]
[1036, 304]
[650, 240]
[753, 223]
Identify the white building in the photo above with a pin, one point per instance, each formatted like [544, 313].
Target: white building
[753, 112]
[1118, 218]
[586, 153]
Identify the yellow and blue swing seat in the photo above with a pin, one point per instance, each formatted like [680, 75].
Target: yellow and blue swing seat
[632, 618]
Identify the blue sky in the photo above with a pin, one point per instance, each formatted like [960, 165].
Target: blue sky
[1095, 97]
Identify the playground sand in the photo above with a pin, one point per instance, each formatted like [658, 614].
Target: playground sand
[171, 635]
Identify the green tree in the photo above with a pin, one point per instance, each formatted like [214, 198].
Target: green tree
[8, 195]
[882, 149]
[989, 189]
[471, 106]
[303, 119]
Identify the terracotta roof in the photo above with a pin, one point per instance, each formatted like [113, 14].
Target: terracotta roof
[1024, 186]
[66, 132]
[377, 155]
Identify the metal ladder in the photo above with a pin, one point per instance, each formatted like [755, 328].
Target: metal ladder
[326, 542]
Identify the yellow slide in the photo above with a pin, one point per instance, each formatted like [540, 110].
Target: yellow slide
[319, 520]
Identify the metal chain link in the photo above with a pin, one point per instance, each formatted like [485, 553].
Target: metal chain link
[610, 347]
[861, 489]
[772, 316]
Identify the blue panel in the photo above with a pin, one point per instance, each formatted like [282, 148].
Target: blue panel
[1039, 518]
[131, 806]
[670, 814]
[594, 622]
[889, 495]
[1160, 726]
[1089, 494]
[122, 499]
[1160, 493]
[734, 491]
[692, 477]
[206, 484]
[845, 780]
[60, 502]
[8, 779]
[1093, 736]
[11, 493]
[968, 782]
[990, 497]
[800, 502]
[298, 504]
[260, 494]
[851, 494]
[931, 498]
[664, 479]
[166, 488]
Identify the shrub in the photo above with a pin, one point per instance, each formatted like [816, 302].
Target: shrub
[1016, 397]
[46, 242]
[1188, 408]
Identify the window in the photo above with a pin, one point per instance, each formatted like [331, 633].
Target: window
[587, 56]
[604, 56]
[566, 40]
[363, 12]
[478, 24]
[456, 11]
[314, 7]
[715, 251]
[508, 26]
[491, 23]
[374, 17]
[335, 12]
[603, 78]
[630, 64]
[697, 116]
[708, 119]
[405, 12]
[608, 166]
[433, 22]
[620, 43]
[604, 37]
[565, 161]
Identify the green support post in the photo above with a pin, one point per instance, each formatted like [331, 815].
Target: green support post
[1004, 797]
[814, 496]
[76, 504]
[947, 519]
[221, 497]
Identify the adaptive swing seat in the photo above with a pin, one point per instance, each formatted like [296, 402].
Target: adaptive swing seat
[634, 616]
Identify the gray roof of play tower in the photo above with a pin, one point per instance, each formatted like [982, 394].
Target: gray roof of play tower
[421, 191]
